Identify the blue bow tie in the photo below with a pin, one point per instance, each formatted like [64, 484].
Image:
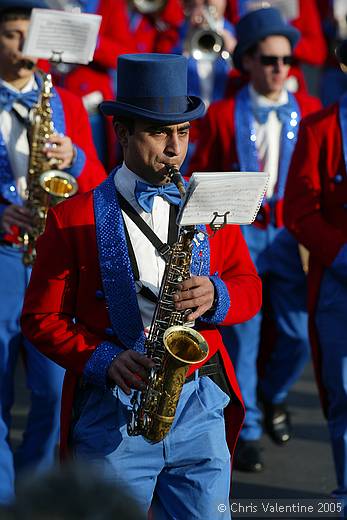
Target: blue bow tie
[8, 97]
[283, 113]
[145, 194]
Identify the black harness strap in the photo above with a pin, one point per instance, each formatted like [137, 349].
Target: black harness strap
[162, 248]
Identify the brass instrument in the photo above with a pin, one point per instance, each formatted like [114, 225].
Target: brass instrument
[45, 186]
[205, 42]
[171, 344]
[149, 6]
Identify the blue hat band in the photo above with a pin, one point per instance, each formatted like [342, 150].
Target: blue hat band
[160, 104]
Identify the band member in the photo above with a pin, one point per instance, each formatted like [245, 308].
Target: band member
[72, 145]
[315, 212]
[88, 308]
[256, 130]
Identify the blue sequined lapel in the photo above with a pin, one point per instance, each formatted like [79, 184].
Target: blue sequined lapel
[117, 277]
[201, 253]
[245, 136]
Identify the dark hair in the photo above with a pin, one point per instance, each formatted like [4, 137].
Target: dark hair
[14, 13]
[128, 122]
[75, 491]
[252, 50]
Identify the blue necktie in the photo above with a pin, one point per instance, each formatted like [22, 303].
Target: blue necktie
[8, 97]
[145, 194]
[283, 113]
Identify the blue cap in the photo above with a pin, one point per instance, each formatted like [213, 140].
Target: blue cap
[257, 25]
[153, 86]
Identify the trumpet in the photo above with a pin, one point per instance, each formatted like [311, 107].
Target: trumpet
[205, 42]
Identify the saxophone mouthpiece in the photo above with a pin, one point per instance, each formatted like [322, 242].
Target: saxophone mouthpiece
[177, 179]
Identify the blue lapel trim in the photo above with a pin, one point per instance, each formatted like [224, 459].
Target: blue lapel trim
[245, 138]
[116, 273]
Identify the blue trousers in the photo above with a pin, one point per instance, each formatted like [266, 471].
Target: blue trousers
[43, 378]
[275, 254]
[332, 331]
[187, 474]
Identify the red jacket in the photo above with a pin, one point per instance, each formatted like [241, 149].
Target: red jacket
[315, 203]
[63, 287]
[216, 146]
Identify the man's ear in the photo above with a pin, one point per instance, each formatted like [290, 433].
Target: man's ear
[122, 133]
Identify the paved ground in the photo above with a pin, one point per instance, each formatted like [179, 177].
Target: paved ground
[301, 470]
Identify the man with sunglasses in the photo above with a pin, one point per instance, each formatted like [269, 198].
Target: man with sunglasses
[256, 131]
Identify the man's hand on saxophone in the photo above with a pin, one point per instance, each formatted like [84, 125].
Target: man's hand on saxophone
[195, 293]
[60, 147]
[129, 370]
[14, 215]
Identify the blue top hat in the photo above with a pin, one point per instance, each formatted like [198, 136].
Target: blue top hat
[153, 86]
[22, 4]
[257, 25]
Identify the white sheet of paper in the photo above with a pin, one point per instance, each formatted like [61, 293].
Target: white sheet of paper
[238, 193]
[59, 34]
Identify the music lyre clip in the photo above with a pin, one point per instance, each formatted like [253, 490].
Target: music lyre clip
[216, 226]
[56, 56]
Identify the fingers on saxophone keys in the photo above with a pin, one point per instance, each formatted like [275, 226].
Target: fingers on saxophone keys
[132, 380]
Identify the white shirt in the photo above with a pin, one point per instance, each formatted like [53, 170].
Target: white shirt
[150, 264]
[268, 136]
[14, 133]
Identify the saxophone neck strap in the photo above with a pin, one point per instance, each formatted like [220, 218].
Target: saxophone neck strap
[162, 248]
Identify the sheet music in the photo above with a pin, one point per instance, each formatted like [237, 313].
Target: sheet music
[238, 193]
[68, 36]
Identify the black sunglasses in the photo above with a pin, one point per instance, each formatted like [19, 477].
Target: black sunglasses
[273, 60]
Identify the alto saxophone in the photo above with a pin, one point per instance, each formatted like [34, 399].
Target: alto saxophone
[171, 344]
[45, 186]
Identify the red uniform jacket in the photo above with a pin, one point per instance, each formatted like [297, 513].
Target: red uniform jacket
[64, 319]
[216, 146]
[315, 203]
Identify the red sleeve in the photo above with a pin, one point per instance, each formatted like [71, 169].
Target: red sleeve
[114, 35]
[169, 22]
[49, 305]
[230, 258]
[78, 128]
[210, 154]
[311, 47]
[302, 203]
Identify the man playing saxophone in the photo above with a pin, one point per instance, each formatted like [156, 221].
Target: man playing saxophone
[72, 147]
[90, 308]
